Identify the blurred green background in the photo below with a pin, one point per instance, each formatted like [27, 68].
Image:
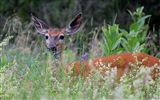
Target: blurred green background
[97, 13]
[57, 12]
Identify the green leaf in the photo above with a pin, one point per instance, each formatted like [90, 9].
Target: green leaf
[134, 27]
[133, 41]
[105, 45]
[3, 61]
[130, 12]
[125, 33]
[136, 48]
[118, 36]
[131, 15]
[109, 42]
[143, 18]
[106, 32]
[133, 33]
[118, 50]
[114, 29]
[141, 21]
[139, 10]
[144, 36]
[125, 44]
[116, 43]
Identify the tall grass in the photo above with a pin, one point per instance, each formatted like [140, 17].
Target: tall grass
[27, 72]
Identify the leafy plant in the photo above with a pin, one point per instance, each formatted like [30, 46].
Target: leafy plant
[119, 40]
[134, 40]
[112, 39]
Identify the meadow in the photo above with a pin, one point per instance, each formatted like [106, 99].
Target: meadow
[27, 68]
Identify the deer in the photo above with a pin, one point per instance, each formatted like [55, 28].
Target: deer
[123, 62]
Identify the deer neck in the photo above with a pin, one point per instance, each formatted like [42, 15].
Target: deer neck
[58, 55]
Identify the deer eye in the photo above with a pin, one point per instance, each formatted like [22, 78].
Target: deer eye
[46, 36]
[61, 37]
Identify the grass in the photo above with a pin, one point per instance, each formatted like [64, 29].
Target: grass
[27, 72]
[29, 75]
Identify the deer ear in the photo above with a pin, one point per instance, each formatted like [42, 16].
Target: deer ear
[40, 26]
[75, 24]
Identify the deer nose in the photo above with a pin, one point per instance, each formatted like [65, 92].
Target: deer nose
[53, 49]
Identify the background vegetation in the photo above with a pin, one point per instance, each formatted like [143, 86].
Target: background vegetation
[57, 13]
[109, 27]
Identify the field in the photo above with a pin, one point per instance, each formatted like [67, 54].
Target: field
[28, 70]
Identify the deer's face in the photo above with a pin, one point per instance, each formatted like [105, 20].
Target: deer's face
[55, 36]
[54, 39]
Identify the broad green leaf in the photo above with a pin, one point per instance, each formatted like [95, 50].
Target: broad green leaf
[141, 21]
[116, 43]
[125, 33]
[133, 33]
[133, 41]
[109, 42]
[136, 48]
[118, 36]
[134, 27]
[139, 10]
[118, 50]
[126, 48]
[114, 29]
[106, 32]
[124, 44]
[144, 36]
[124, 41]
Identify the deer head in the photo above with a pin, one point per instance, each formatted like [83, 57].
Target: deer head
[55, 36]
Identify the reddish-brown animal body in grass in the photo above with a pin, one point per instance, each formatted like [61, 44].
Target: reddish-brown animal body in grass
[123, 62]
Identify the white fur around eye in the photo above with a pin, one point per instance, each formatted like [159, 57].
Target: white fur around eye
[60, 40]
[46, 36]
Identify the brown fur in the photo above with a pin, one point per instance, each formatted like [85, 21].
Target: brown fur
[124, 62]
